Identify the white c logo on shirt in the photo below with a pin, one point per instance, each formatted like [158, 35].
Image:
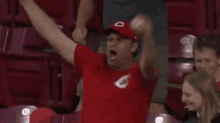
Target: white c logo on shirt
[119, 24]
[122, 82]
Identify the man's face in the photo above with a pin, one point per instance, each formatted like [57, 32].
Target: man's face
[119, 50]
[191, 97]
[206, 60]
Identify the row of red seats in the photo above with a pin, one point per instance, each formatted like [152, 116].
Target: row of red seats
[22, 113]
[194, 17]
[64, 12]
[35, 77]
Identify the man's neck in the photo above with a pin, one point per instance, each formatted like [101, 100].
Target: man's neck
[123, 67]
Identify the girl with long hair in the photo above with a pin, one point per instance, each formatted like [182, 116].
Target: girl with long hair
[202, 96]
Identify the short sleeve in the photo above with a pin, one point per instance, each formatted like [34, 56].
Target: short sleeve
[82, 56]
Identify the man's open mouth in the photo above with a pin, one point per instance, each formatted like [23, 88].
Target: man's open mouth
[113, 54]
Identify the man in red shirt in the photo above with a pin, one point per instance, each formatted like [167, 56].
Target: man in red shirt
[116, 90]
[116, 10]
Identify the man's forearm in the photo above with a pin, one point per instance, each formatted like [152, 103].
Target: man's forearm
[147, 57]
[40, 20]
[85, 12]
[148, 47]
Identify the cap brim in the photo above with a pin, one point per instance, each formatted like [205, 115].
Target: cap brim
[109, 31]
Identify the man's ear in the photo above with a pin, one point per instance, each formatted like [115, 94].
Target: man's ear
[219, 60]
[134, 47]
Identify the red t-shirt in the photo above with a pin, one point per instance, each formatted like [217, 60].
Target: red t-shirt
[218, 84]
[105, 102]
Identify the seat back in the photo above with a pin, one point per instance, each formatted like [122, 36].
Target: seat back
[150, 118]
[5, 33]
[181, 46]
[184, 18]
[174, 102]
[68, 118]
[16, 114]
[160, 118]
[54, 8]
[177, 71]
[216, 23]
[5, 12]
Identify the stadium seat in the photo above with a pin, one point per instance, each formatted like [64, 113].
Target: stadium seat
[5, 12]
[23, 41]
[184, 18]
[14, 44]
[64, 12]
[181, 46]
[54, 8]
[5, 95]
[160, 118]
[63, 79]
[16, 114]
[150, 118]
[177, 71]
[216, 22]
[5, 33]
[174, 102]
[21, 73]
[66, 118]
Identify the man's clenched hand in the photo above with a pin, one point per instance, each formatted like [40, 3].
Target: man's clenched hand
[79, 35]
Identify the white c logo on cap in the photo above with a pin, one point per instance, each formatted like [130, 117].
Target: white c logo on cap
[119, 24]
[25, 111]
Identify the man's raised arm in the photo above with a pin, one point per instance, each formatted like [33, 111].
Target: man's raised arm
[85, 11]
[144, 26]
[49, 30]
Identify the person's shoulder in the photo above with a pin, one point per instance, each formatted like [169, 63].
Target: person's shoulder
[189, 116]
[216, 119]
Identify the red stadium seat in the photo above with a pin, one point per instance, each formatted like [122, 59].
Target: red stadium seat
[5, 33]
[70, 78]
[21, 73]
[150, 118]
[23, 41]
[184, 18]
[64, 12]
[5, 12]
[14, 44]
[160, 118]
[5, 95]
[62, 78]
[16, 114]
[54, 8]
[216, 21]
[181, 46]
[67, 118]
[177, 71]
[174, 102]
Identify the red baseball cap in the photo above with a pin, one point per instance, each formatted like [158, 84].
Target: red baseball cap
[123, 28]
[42, 115]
